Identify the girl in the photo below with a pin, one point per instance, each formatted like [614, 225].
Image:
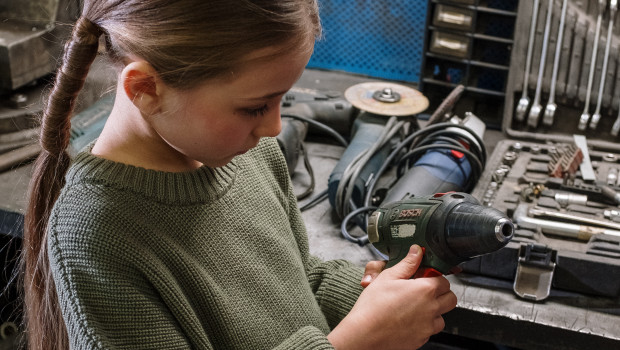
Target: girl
[178, 228]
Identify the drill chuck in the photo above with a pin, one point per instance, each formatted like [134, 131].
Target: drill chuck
[473, 230]
[452, 228]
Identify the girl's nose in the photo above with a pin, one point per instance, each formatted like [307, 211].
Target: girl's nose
[270, 124]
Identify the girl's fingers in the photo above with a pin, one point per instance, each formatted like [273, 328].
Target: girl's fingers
[372, 270]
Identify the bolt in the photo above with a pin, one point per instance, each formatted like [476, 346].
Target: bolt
[18, 100]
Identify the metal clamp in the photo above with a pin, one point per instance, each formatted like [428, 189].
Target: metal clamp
[534, 272]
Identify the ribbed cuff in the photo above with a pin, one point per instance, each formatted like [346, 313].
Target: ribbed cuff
[306, 338]
[338, 295]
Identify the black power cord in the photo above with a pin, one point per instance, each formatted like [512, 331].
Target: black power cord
[329, 131]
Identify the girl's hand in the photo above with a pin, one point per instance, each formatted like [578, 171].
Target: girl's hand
[373, 269]
[396, 312]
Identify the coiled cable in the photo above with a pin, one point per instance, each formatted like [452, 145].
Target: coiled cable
[437, 136]
[344, 191]
[479, 153]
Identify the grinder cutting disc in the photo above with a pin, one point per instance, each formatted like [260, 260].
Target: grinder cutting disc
[387, 99]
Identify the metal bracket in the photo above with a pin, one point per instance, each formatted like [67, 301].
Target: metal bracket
[534, 271]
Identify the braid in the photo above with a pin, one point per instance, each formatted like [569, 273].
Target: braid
[44, 324]
[185, 47]
[80, 52]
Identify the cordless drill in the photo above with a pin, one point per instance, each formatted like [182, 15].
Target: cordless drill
[451, 228]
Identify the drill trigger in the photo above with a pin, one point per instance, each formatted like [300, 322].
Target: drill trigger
[426, 272]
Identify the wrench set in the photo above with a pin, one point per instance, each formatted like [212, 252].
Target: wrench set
[564, 72]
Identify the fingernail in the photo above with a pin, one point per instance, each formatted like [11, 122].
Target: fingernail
[367, 278]
[415, 250]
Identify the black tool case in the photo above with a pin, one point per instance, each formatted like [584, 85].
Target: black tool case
[539, 174]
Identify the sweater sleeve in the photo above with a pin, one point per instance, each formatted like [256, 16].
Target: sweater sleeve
[120, 312]
[106, 300]
[335, 283]
[310, 338]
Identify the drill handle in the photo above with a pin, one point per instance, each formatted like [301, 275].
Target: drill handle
[426, 271]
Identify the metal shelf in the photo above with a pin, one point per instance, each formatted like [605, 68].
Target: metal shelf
[480, 60]
[469, 62]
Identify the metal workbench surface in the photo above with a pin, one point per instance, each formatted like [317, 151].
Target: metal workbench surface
[487, 309]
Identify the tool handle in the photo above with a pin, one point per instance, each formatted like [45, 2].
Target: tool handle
[426, 271]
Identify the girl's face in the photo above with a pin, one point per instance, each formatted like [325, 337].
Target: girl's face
[223, 118]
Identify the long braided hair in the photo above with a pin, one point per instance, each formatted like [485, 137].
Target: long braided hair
[187, 42]
[40, 300]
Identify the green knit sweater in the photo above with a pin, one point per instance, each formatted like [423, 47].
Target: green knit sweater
[207, 259]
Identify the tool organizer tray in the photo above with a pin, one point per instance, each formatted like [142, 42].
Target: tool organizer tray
[567, 224]
[547, 251]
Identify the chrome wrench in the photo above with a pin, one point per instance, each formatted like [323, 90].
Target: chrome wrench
[566, 56]
[577, 56]
[535, 212]
[524, 102]
[581, 232]
[613, 7]
[532, 119]
[585, 116]
[616, 127]
[551, 106]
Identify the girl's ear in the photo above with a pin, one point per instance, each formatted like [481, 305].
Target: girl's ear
[142, 86]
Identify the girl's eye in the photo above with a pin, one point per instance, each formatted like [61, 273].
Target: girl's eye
[257, 112]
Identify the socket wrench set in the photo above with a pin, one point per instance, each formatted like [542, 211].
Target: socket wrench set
[557, 174]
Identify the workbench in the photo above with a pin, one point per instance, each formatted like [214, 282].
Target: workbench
[488, 309]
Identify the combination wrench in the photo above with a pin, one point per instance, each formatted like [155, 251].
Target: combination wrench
[524, 102]
[576, 60]
[551, 106]
[585, 116]
[616, 127]
[613, 7]
[536, 108]
[565, 55]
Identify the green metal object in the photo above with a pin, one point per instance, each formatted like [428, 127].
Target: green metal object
[451, 228]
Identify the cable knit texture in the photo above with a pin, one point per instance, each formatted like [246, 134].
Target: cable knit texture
[215, 258]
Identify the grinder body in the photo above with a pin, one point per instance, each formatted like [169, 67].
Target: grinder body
[451, 228]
